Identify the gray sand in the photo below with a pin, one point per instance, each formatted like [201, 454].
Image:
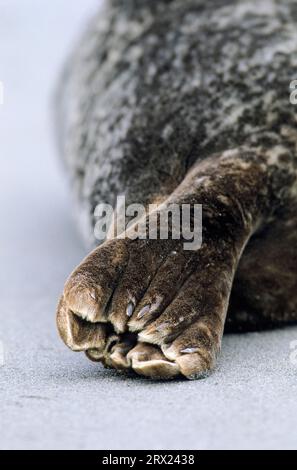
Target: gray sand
[51, 398]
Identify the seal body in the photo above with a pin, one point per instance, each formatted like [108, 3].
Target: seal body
[187, 100]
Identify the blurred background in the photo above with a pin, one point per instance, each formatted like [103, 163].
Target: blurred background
[51, 398]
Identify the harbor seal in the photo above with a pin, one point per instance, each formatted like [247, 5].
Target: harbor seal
[182, 102]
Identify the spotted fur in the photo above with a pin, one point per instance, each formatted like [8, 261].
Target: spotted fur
[183, 101]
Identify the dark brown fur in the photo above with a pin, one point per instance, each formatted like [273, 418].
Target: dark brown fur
[183, 102]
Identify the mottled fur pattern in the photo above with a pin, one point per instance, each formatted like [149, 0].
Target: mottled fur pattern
[182, 101]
